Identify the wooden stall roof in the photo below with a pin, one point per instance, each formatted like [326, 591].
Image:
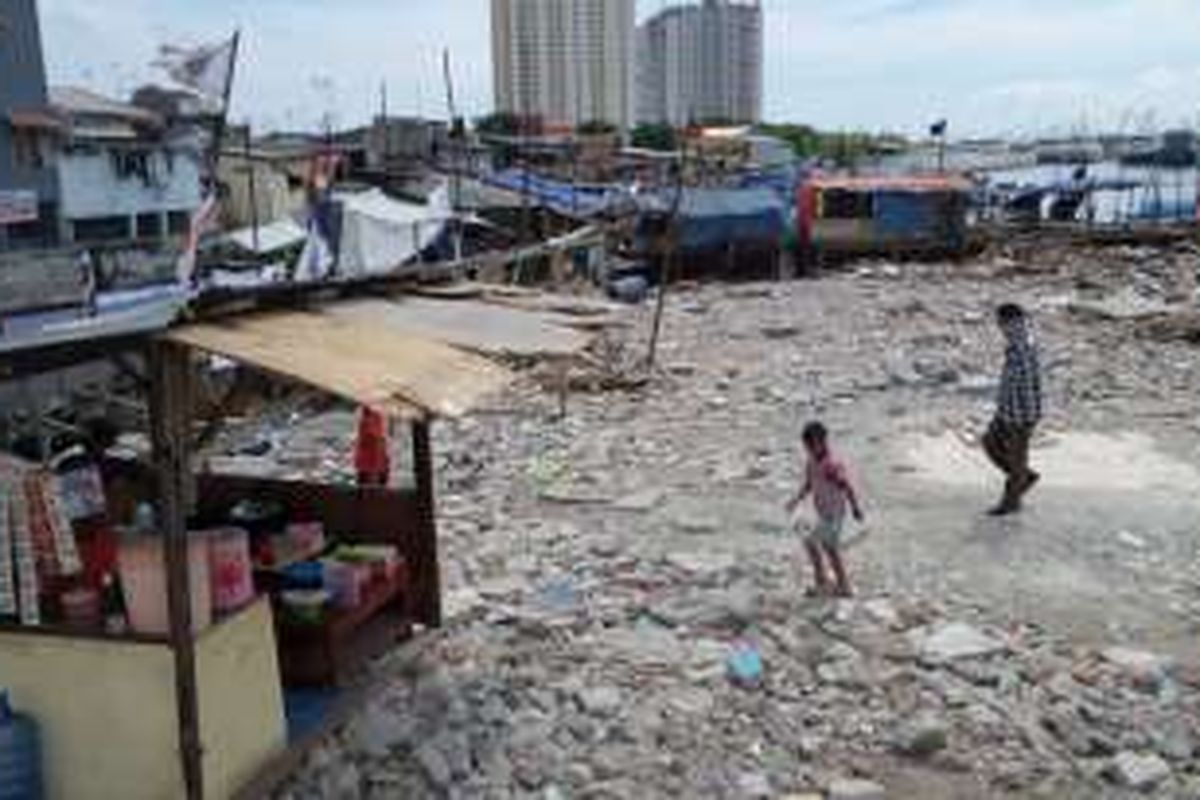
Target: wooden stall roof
[397, 373]
[478, 326]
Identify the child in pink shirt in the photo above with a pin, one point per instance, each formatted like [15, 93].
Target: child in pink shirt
[828, 483]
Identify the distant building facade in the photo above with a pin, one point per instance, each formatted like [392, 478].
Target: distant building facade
[28, 133]
[701, 63]
[566, 62]
[77, 168]
[122, 177]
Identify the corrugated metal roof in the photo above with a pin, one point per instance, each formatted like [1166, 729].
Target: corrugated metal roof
[398, 374]
[912, 183]
[76, 101]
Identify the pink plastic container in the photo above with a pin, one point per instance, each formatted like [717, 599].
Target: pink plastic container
[230, 568]
[144, 581]
[345, 584]
[81, 608]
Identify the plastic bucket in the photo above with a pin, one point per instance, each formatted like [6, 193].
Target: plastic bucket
[144, 581]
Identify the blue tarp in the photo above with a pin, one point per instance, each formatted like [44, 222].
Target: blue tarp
[562, 198]
[710, 219]
[908, 215]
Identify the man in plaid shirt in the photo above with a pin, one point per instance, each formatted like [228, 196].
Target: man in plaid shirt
[1018, 409]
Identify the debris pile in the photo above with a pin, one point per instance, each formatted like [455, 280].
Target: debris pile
[625, 591]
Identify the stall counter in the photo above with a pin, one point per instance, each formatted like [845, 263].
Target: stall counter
[107, 714]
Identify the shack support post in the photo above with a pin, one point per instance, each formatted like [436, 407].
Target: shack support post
[426, 573]
[170, 414]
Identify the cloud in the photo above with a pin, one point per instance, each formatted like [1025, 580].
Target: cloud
[989, 65]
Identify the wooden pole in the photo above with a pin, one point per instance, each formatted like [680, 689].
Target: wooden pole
[252, 187]
[222, 121]
[170, 414]
[425, 569]
[670, 234]
[664, 278]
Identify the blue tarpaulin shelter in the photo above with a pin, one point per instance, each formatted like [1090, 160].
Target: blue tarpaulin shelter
[713, 219]
[580, 201]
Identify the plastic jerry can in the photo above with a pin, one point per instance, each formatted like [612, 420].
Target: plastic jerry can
[20, 755]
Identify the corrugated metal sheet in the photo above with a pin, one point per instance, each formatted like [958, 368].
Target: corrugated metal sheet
[908, 183]
[478, 326]
[398, 374]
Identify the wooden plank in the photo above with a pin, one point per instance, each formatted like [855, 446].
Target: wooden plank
[482, 327]
[400, 375]
[170, 398]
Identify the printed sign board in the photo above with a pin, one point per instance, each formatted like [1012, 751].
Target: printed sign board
[18, 206]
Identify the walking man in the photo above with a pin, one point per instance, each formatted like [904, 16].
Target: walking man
[1018, 409]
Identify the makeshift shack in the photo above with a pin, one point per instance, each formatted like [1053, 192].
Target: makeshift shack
[885, 215]
[736, 233]
[213, 687]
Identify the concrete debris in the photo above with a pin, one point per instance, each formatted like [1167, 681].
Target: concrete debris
[1146, 671]
[856, 789]
[640, 501]
[1138, 771]
[953, 640]
[922, 737]
[609, 573]
[600, 701]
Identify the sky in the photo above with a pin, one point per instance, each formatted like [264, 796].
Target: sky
[1013, 68]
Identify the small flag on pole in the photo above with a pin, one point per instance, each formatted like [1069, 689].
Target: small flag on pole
[205, 70]
[939, 128]
[203, 220]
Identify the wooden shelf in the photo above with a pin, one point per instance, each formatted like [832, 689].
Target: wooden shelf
[328, 652]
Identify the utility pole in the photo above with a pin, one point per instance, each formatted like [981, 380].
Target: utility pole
[457, 133]
[670, 244]
[252, 186]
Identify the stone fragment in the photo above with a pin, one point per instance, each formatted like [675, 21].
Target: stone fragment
[1146, 671]
[1138, 771]
[434, 766]
[600, 701]
[642, 501]
[702, 563]
[380, 730]
[856, 789]
[922, 737]
[882, 612]
[343, 782]
[954, 640]
[754, 786]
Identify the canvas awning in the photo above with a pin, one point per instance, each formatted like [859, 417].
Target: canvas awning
[396, 373]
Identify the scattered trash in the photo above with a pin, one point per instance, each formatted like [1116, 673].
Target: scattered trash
[745, 666]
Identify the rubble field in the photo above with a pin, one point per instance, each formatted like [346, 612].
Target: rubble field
[625, 593]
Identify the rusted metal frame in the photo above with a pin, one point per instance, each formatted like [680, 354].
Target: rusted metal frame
[425, 570]
[169, 368]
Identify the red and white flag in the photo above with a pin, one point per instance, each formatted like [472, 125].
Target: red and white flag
[203, 221]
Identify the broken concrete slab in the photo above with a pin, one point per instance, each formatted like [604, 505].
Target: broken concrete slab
[954, 640]
[856, 789]
[1138, 771]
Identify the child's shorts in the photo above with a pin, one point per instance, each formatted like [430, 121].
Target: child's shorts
[828, 532]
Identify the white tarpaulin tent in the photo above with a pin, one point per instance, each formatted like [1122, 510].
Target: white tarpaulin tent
[275, 236]
[379, 233]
